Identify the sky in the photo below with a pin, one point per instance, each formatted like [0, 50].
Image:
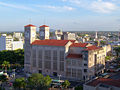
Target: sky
[67, 15]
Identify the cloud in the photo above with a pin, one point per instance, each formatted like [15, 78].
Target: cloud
[17, 6]
[56, 8]
[95, 5]
[103, 7]
[73, 1]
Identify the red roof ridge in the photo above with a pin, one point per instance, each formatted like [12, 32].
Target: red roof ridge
[106, 81]
[79, 45]
[51, 42]
[93, 47]
[44, 26]
[74, 56]
[30, 25]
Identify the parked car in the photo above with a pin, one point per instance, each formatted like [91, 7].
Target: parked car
[104, 75]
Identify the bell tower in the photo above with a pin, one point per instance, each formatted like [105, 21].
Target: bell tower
[30, 36]
[44, 32]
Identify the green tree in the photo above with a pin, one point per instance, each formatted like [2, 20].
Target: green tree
[103, 42]
[79, 88]
[5, 65]
[3, 78]
[13, 56]
[39, 82]
[117, 50]
[19, 83]
[107, 58]
[66, 83]
[16, 39]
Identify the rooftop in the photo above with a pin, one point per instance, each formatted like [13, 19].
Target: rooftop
[105, 81]
[93, 47]
[51, 42]
[44, 26]
[79, 45]
[30, 25]
[74, 56]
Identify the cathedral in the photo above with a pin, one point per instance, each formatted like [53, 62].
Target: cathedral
[68, 58]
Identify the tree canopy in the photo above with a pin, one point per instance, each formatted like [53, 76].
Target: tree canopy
[66, 84]
[5, 65]
[117, 50]
[19, 83]
[13, 56]
[39, 82]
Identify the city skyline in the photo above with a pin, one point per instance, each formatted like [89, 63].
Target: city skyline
[68, 15]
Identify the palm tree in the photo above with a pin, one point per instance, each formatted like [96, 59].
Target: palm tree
[5, 65]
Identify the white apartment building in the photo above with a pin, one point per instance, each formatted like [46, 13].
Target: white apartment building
[68, 58]
[17, 35]
[7, 43]
[68, 36]
[17, 45]
[58, 34]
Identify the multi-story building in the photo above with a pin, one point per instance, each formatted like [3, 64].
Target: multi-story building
[7, 43]
[17, 45]
[58, 34]
[84, 61]
[68, 58]
[68, 36]
[17, 35]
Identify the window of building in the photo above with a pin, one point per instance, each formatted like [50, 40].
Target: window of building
[40, 71]
[85, 70]
[34, 57]
[85, 64]
[79, 63]
[55, 55]
[34, 62]
[68, 72]
[33, 53]
[68, 62]
[47, 55]
[73, 72]
[40, 63]
[61, 55]
[74, 62]
[79, 73]
[40, 54]
[54, 65]
[47, 64]
[61, 66]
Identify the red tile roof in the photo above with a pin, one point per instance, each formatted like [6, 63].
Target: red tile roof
[30, 25]
[51, 42]
[93, 47]
[44, 26]
[79, 45]
[106, 81]
[74, 56]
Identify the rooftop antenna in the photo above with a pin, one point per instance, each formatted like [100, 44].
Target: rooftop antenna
[44, 22]
[30, 20]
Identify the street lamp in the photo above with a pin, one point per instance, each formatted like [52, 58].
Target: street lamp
[14, 72]
[59, 77]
